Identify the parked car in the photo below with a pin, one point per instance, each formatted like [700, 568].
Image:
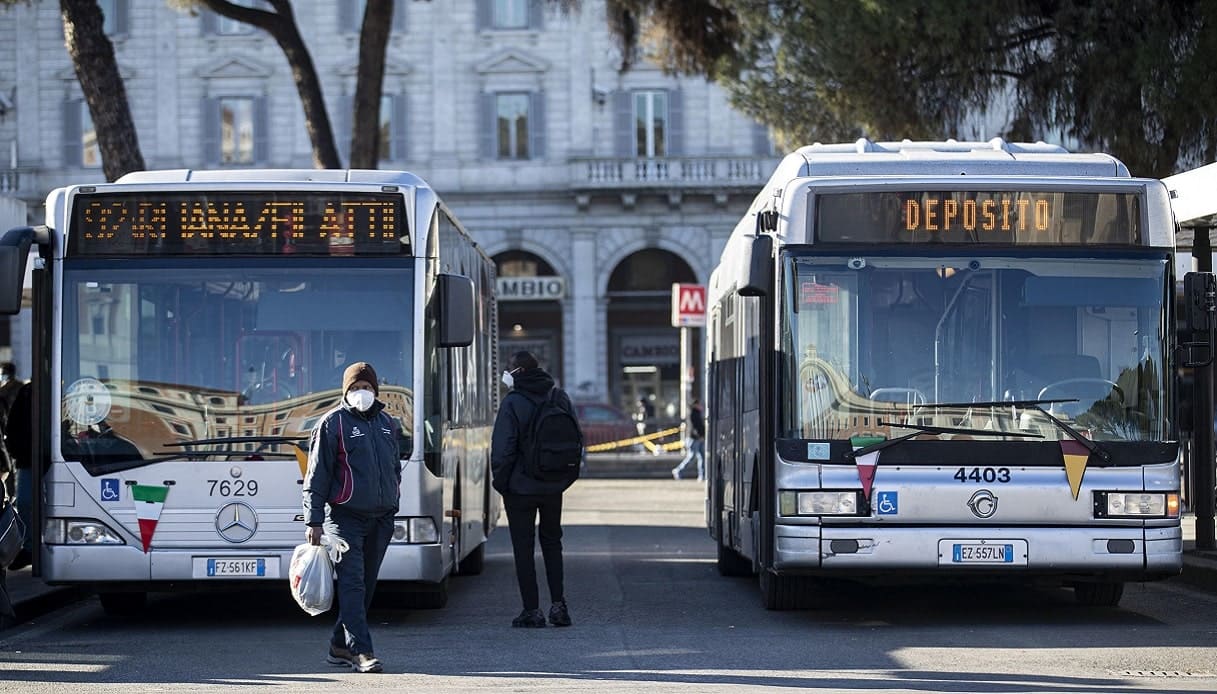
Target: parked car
[603, 423]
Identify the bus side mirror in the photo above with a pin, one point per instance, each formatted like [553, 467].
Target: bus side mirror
[14, 249]
[758, 273]
[1199, 305]
[456, 311]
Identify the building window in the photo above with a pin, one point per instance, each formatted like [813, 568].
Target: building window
[386, 128]
[90, 151]
[651, 123]
[223, 26]
[114, 17]
[510, 14]
[236, 130]
[511, 124]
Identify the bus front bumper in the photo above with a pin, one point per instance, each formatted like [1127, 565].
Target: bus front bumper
[1128, 553]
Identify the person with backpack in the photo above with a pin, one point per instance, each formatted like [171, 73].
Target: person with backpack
[535, 455]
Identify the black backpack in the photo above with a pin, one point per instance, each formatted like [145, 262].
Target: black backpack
[553, 450]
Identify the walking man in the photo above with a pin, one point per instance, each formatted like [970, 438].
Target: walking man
[352, 489]
[526, 492]
[695, 437]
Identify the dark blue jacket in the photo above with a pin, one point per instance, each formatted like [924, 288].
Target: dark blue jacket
[354, 463]
[530, 388]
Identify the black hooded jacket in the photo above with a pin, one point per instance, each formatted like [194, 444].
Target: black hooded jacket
[530, 387]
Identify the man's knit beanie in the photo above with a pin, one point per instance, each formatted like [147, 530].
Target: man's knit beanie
[359, 371]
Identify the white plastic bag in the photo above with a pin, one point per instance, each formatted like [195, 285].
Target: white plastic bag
[312, 573]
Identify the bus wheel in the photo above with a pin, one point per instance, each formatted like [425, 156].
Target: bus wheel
[1105, 594]
[732, 563]
[123, 604]
[431, 597]
[784, 592]
[474, 562]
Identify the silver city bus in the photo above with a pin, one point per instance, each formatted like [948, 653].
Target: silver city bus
[946, 359]
[190, 329]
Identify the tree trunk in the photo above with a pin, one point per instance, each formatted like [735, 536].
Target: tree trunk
[97, 71]
[369, 84]
[281, 24]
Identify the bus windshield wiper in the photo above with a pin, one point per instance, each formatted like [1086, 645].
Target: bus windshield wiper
[1036, 405]
[237, 439]
[224, 446]
[919, 429]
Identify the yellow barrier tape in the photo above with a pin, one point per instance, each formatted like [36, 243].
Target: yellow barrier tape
[645, 440]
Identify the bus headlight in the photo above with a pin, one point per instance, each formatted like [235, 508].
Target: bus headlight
[71, 531]
[820, 503]
[415, 531]
[1136, 505]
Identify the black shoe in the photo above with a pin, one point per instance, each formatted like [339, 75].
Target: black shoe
[530, 619]
[558, 614]
[21, 561]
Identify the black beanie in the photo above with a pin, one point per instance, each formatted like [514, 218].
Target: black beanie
[359, 371]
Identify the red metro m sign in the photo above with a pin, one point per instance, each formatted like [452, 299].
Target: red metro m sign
[688, 305]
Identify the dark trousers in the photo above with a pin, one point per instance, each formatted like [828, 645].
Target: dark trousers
[522, 513]
[368, 538]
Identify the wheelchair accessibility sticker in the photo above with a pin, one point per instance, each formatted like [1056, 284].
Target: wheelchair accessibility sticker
[111, 489]
[887, 503]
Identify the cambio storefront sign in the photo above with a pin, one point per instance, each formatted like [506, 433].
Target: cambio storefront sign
[531, 288]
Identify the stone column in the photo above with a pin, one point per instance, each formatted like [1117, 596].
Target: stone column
[585, 330]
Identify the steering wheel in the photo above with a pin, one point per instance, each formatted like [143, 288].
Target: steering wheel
[1069, 388]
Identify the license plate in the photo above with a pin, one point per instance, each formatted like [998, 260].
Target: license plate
[985, 552]
[236, 567]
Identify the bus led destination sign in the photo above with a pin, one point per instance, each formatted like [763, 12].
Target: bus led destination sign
[237, 223]
[979, 217]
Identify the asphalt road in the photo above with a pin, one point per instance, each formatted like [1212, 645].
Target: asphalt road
[651, 614]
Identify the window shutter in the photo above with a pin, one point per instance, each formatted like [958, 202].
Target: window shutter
[676, 124]
[207, 25]
[484, 16]
[761, 143]
[261, 131]
[347, 21]
[344, 115]
[398, 129]
[211, 131]
[623, 124]
[399, 16]
[488, 136]
[536, 15]
[121, 14]
[536, 125]
[73, 151]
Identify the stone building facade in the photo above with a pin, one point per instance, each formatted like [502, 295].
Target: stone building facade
[592, 188]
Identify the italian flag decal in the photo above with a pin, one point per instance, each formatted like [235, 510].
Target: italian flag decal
[148, 503]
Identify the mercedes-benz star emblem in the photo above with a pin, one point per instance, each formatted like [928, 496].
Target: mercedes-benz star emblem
[236, 522]
[983, 504]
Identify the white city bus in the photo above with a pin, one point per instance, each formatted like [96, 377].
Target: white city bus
[190, 329]
[945, 359]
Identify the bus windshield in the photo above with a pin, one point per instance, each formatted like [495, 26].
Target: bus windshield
[873, 339]
[157, 354]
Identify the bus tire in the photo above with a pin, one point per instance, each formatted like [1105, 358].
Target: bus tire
[123, 604]
[1102, 594]
[474, 562]
[732, 563]
[432, 597]
[784, 592]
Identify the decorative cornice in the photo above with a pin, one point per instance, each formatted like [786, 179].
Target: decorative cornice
[233, 67]
[511, 61]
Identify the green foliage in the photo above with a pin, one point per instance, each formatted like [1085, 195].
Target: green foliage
[1131, 77]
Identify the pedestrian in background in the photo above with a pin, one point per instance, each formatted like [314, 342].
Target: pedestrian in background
[352, 490]
[17, 433]
[695, 442]
[525, 497]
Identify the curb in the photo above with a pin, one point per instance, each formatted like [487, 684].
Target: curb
[42, 603]
[1199, 570]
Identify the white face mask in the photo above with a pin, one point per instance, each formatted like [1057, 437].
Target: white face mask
[508, 379]
[361, 399]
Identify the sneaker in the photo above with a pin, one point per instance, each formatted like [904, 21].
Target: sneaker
[366, 662]
[676, 474]
[340, 655]
[529, 619]
[558, 614]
